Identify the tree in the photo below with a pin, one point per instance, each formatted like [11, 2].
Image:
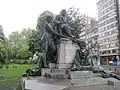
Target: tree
[24, 53]
[8, 49]
[2, 36]
[19, 42]
[76, 21]
[26, 34]
[4, 47]
[15, 41]
[34, 42]
[2, 53]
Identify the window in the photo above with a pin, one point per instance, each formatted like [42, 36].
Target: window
[119, 51]
[108, 27]
[113, 38]
[108, 9]
[105, 28]
[108, 52]
[107, 40]
[117, 44]
[107, 22]
[114, 31]
[107, 34]
[112, 45]
[114, 51]
[102, 29]
[112, 26]
[102, 52]
[107, 45]
[107, 16]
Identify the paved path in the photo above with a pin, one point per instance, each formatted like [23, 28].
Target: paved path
[39, 83]
[35, 85]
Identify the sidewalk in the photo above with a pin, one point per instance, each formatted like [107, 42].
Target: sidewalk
[35, 85]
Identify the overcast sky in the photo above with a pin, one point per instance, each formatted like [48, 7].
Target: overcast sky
[18, 14]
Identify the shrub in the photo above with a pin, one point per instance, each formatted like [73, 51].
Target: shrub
[34, 61]
[7, 66]
[24, 61]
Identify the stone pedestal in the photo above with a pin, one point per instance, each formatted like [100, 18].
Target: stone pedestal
[52, 65]
[53, 73]
[88, 81]
[66, 53]
[114, 83]
[85, 78]
[81, 74]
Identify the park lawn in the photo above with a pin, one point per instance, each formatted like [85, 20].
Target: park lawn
[15, 72]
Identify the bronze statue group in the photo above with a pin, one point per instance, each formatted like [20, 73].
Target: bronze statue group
[55, 29]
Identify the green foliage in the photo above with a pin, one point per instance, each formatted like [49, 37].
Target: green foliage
[19, 42]
[2, 53]
[16, 43]
[34, 42]
[76, 21]
[8, 49]
[24, 62]
[3, 47]
[15, 72]
[2, 36]
[24, 53]
[11, 83]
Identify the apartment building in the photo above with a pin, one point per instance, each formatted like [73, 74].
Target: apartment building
[109, 29]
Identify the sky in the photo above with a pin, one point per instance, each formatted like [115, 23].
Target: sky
[18, 14]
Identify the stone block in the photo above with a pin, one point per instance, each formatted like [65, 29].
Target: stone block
[88, 81]
[65, 65]
[81, 74]
[45, 70]
[52, 65]
[97, 74]
[54, 73]
[66, 53]
[115, 83]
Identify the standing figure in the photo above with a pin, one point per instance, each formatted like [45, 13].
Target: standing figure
[60, 24]
[48, 44]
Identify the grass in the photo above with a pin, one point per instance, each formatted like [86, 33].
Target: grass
[11, 76]
[15, 72]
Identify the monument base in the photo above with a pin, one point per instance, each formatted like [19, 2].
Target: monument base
[81, 74]
[88, 78]
[54, 73]
[85, 78]
[88, 81]
[66, 53]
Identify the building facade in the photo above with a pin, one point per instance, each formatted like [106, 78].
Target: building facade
[109, 30]
[91, 36]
